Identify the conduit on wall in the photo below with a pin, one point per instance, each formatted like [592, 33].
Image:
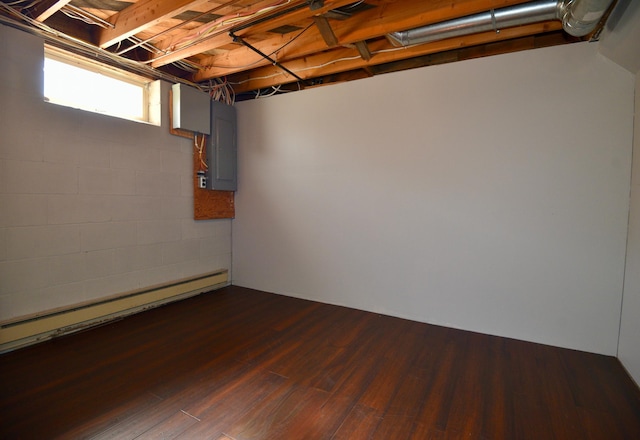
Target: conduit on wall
[579, 18]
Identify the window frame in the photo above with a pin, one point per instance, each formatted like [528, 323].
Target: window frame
[80, 62]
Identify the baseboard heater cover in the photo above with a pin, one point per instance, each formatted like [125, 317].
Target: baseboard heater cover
[30, 329]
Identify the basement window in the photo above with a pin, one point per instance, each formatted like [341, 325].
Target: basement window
[88, 85]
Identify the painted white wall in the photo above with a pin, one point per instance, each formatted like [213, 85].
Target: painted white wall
[489, 195]
[629, 345]
[90, 205]
[620, 37]
[619, 42]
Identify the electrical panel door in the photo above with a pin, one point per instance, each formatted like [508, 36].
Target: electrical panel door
[191, 110]
[221, 149]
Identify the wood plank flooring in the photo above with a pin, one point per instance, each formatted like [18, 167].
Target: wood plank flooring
[240, 364]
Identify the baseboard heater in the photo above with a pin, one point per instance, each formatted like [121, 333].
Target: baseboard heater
[30, 329]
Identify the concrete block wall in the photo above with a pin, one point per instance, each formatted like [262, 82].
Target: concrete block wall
[90, 205]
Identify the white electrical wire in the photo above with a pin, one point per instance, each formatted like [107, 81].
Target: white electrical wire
[259, 77]
[76, 45]
[327, 63]
[319, 66]
[220, 90]
[275, 91]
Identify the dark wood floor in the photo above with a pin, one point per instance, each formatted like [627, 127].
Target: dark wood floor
[243, 364]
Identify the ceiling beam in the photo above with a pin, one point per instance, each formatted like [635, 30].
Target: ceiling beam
[45, 9]
[169, 42]
[404, 15]
[466, 53]
[140, 16]
[221, 38]
[483, 50]
[232, 61]
[345, 59]
[367, 25]
[69, 26]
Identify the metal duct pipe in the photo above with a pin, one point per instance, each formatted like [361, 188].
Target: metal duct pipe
[579, 17]
[492, 20]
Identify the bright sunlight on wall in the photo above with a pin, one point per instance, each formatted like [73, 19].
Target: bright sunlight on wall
[87, 86]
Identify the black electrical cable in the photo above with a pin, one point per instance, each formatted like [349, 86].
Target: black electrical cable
[238, 39]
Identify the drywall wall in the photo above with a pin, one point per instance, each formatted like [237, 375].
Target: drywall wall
[90, 205]
[629, 346]
[489, 195]
[620, 36]
[619, 42]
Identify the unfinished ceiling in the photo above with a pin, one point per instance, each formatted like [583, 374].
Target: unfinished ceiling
[278, 45]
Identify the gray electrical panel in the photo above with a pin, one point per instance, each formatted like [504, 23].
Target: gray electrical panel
[191, 109]
[221, 148]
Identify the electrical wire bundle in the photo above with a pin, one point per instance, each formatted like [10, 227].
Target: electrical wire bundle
[220, 90]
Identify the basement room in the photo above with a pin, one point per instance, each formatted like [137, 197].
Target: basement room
[320, 219]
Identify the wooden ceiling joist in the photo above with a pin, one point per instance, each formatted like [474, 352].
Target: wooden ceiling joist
[403, 15]
[45, 9]
[221, 38]
[140, 16]
[344, 59]
[283, 41]
[231, 14]
[383, 19]
[232, 61]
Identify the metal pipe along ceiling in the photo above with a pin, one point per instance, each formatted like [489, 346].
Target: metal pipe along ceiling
[579, 18]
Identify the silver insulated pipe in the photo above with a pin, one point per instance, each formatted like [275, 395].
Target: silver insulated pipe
[579, 17]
